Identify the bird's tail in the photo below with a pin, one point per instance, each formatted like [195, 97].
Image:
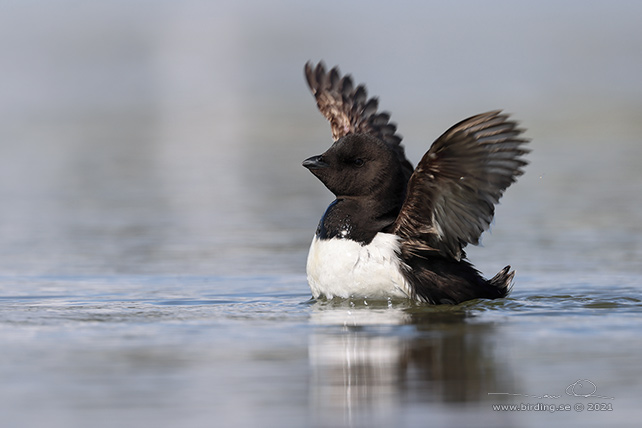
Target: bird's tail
[503, 281]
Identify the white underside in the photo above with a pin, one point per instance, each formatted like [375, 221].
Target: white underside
[344, 268]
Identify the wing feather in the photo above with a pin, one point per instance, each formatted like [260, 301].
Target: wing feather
[347, 107]
[452, 194]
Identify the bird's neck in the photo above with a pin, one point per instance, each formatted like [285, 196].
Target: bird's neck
[357, 218]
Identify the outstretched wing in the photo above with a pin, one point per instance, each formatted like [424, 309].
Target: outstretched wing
[347, 107]
[452, 193]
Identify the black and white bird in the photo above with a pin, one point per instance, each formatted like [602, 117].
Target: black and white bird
[395, 231]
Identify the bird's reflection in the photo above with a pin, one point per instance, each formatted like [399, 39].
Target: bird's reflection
[369, 360]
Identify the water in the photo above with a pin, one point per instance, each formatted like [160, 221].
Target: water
[155, 217]
[208, 351]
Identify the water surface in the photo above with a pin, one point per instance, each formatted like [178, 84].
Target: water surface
[204, 351]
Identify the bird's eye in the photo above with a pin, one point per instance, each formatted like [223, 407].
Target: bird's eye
[358, 162]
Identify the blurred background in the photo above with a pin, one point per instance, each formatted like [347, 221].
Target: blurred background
[155, 217]
[166, 137]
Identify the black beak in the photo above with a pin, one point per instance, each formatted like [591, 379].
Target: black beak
[315, 162]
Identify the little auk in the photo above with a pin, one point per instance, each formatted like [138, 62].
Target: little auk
[398, 232]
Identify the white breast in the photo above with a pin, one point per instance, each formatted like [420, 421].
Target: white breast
[345, 268]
